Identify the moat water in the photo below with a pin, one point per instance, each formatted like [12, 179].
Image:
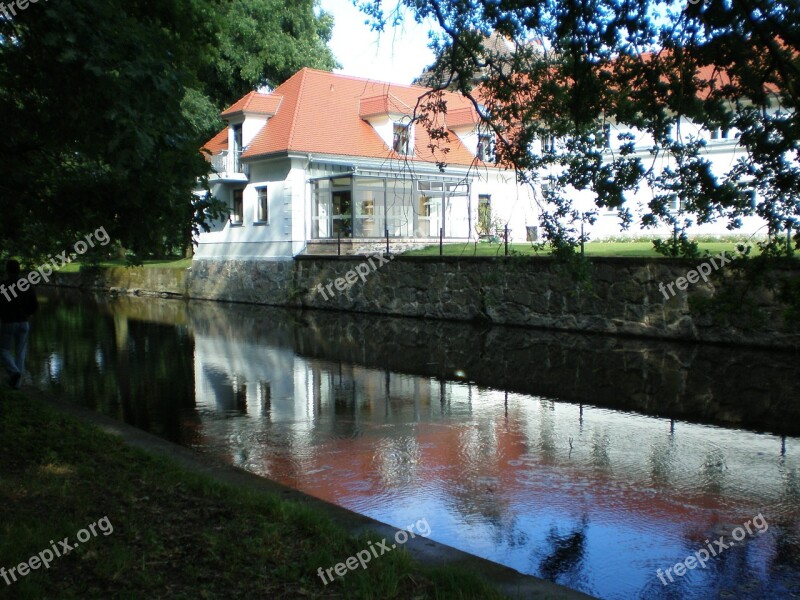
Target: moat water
[590, 461]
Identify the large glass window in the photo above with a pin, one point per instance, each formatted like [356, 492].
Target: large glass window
[400, 208]
[321, 215]
[332, 208]
[342, 210]
[429, 215]
[369, 207]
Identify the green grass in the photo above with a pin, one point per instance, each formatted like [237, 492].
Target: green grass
[637, 248]
[168, 263]
[175, 534]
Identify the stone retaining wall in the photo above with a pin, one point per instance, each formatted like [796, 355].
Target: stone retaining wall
[612, 295]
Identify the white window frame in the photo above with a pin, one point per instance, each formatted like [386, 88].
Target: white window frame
[674, 204]
[396, 127]
[258, 216]
[486, 152]
[237, 217]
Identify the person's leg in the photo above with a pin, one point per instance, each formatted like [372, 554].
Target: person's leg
[21, 335]
[7, 348]
[7, 337]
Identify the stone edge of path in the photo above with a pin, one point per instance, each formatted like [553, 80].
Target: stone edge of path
[506, 580]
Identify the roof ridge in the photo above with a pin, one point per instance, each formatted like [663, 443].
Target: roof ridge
[397, 100]
[250, 95]
[366, 79]
[303, 73]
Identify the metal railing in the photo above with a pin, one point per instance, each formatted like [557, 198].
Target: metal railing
[225, 162]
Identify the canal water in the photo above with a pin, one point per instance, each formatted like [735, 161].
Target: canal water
[591, 461]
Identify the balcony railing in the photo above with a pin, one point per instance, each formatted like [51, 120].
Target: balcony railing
[227, 163]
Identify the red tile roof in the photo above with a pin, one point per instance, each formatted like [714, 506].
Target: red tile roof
[218, 143]
[462, 117]
[254, 103]
[383, 105]
[321, 113]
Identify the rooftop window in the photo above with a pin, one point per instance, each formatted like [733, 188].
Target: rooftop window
[402, 139]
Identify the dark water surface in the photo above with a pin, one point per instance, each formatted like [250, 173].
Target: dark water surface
[591, 461]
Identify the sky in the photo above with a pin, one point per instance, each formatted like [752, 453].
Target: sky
[397, 55]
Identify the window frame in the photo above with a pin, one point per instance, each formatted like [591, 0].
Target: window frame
[259, 213]
[237, 216]
[485, 213]
[399, 145]
[548, 141]
[720, 134]
[486, 152]
[674, 204]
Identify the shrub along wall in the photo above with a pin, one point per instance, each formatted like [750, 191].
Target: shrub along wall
[605, 295]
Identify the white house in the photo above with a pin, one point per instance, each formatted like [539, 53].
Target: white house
[329, 163]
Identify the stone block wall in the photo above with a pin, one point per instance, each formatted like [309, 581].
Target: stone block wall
[611, 295]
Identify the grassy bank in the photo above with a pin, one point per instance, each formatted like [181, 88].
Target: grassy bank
[637, 248]
[175, 534]
[167, 263]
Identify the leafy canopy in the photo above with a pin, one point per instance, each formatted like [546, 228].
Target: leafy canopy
[645, 65]
[106, 103]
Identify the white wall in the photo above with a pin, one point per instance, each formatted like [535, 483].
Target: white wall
[250, 239]
[721, 153]
[512, 204]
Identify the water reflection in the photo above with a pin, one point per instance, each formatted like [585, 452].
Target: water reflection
[590, 461]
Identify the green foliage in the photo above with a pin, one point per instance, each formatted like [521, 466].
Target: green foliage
[105, 105]
[789, 294]
[678, 246]
[264, 42]
[648, 67]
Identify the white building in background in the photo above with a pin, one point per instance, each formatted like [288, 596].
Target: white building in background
[328, 162]
[722, 150]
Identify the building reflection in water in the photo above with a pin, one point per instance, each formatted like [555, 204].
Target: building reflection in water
[628, 470]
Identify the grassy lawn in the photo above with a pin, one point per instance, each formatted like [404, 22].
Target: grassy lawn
[163, 532]
[638, 248]
[169, 263]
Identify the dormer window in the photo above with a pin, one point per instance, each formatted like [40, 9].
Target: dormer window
[485, 151]
[236, 167]
[402, 138]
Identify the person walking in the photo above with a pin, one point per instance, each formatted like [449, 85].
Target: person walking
[16, 308]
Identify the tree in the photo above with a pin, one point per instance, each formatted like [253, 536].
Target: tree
[264, 42]
[648, 65]
[105, 105]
